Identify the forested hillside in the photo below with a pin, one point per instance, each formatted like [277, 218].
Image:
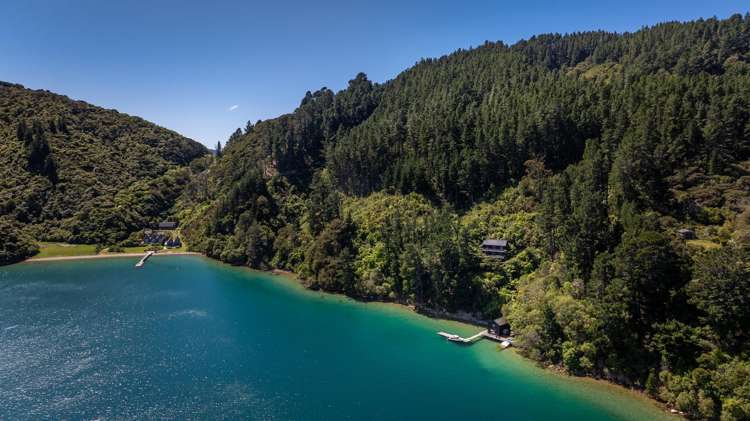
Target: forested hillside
[588, 152]
[70, 171]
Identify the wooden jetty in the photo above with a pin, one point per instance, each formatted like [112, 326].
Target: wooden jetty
[143, 259]
[504, 342]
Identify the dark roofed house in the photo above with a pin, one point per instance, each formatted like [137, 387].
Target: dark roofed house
[686, 234]
[499, 327]
[497, 249]
[173, 243]
[167, 225]
[151, 237]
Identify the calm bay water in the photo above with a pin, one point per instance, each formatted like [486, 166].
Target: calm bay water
[189, 338]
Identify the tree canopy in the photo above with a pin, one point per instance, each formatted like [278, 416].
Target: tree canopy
[66, 168]
[587, 151]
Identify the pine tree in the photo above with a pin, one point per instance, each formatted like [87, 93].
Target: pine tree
[235, 136]
[38, 153]
[23, 133]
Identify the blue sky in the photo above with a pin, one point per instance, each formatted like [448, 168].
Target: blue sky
[204, 68]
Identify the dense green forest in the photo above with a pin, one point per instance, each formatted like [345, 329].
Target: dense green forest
[587, 151]
[70, 171]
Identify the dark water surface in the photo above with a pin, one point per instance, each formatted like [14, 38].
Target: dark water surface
[189, 338]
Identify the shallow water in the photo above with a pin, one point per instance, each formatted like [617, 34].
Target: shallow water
[189, 338]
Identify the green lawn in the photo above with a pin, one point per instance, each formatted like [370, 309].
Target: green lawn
[63, 249]
[138, 249]
[704, 244]
[142, 249]
[180, 249]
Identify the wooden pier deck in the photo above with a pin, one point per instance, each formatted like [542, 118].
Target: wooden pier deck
[505, 342]
[144, 258]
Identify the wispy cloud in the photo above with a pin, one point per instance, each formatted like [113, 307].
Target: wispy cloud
[233, 107]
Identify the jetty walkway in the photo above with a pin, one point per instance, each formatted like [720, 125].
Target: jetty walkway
[143, 259]
[504, 341]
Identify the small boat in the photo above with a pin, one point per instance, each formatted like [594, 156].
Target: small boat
[451, 337]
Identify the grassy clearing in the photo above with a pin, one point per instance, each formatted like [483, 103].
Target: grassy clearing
[69, 250]
[180, 249]
[142, 249]
[704, 244]
[137, 249]
[63, 249]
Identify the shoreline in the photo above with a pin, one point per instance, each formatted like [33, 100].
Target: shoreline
[107, 256]
[424, 311]
[546, 370]
[297, 281]
[606, 396]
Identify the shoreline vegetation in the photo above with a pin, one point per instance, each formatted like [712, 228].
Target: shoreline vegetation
[462, 318]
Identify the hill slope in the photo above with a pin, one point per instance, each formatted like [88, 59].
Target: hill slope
[587, 151]
[63, 164]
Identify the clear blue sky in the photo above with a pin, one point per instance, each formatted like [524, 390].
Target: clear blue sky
[204, 68]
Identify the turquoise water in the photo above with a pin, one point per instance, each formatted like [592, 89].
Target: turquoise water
[189, 338]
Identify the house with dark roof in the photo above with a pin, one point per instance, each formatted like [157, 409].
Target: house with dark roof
[686, 234]
[497, 249]
[167, 225]
[154, 237]
[173, 243]
[499, 327]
